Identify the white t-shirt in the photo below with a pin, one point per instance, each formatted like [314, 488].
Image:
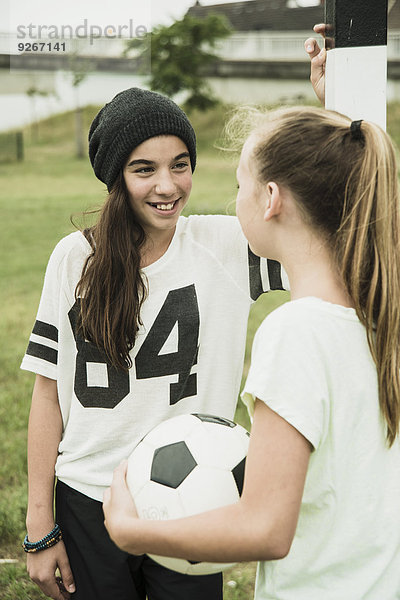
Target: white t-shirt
[188, 355]
[311, 364]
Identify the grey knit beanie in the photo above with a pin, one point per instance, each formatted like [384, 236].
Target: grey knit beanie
[132, 117]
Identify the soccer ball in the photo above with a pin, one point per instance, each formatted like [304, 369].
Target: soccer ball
[184, 466]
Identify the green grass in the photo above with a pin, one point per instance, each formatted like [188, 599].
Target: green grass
[37, 198]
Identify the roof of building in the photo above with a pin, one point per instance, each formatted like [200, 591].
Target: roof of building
[394, 14]
[275, 15]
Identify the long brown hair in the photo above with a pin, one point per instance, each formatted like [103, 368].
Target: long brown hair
[112, 288]
[346, 186]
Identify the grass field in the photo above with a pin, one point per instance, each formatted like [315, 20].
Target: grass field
[37, 198]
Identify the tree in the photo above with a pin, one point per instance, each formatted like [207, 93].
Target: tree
[179, 55]
[34, 92]
[79, 71]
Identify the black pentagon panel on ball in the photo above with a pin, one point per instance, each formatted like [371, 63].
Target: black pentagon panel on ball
[172, 464]
[213, 419]
[238, 475]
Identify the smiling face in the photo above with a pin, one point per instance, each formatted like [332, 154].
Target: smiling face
[158, 177]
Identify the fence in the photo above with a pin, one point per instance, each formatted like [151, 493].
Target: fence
[279, 46]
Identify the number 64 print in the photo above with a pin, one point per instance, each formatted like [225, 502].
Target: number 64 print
[181, 308]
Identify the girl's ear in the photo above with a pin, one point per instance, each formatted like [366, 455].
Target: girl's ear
[274, 201]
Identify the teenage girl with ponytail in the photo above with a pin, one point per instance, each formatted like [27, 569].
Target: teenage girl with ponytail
[142, 317]
[322, 485]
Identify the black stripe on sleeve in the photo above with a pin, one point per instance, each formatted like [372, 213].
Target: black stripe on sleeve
[46, 330]
[43, 352]
[256, 288]
[274, 274]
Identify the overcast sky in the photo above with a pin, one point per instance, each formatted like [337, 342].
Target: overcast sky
[116, 12]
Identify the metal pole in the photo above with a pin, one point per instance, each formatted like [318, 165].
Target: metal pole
[356, 66]
[19, 145]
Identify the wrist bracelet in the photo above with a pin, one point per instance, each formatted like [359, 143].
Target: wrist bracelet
[49, 540]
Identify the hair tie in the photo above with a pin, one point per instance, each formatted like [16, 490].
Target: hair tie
[355, 130]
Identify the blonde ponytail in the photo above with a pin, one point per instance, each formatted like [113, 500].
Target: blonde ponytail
[346, 186]
[368, 250]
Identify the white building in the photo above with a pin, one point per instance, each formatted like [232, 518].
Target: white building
[275, 30]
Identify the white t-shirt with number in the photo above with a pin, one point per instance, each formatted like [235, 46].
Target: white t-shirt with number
[311, 364]
[188, 355]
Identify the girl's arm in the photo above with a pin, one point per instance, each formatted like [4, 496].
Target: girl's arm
[261, 526]
[44, 435]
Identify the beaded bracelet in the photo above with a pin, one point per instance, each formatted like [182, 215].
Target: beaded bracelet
[49, 540]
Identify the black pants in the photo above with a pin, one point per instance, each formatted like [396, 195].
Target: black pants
[103, 572]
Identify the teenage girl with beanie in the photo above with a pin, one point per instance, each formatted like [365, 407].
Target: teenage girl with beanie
[142, 317]
[322, 482]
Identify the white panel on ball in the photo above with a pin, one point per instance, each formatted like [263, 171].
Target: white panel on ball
[220, 451]
[163, 434]
[139, 467]
[218, 489]
[188, 568]
[158, 503]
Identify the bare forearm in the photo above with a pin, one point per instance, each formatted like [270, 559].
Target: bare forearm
[44, 435]
[229, 534]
